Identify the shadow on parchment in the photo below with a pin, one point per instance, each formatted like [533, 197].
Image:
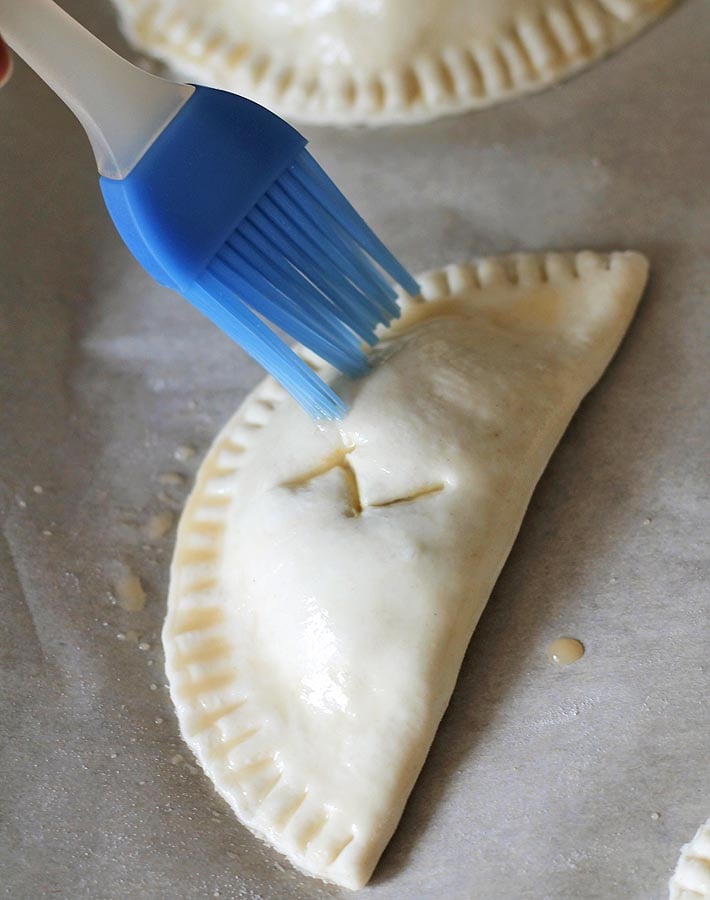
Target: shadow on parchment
[50, 220]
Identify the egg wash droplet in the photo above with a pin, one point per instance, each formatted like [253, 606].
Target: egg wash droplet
[565, 651]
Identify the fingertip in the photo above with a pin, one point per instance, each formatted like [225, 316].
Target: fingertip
[5, 64]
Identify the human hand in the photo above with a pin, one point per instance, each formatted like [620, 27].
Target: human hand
[5, 63]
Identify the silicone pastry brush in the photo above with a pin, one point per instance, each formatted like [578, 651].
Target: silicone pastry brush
[219, 200]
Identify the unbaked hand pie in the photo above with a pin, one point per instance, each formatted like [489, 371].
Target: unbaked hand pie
[691, 879]
[326, 580]
[351, 61]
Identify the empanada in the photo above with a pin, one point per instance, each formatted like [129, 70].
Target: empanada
[354, 61]
[327, 580]
[691, 879]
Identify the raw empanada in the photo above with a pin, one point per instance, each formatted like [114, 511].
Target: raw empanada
[392, 61]
[691, 879]
[326, 580]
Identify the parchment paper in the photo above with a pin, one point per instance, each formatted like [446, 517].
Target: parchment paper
[543, 783]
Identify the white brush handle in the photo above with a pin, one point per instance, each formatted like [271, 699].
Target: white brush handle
[122, 108]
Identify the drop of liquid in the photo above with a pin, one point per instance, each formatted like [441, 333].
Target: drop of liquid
[172, 478]
[129, 592]
[565, 651]
[184, 452]
[158, 525]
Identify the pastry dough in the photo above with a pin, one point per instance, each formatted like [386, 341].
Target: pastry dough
[351, 61]
[691, 879]
[326, 580]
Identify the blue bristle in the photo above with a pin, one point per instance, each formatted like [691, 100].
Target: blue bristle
[314, 395]
[342, 253]
[308, 213]
[355, 264]
[355, 309]
[239, 278]
[317, 181]
[303, 260]
[282, 212]
[320, 292]
[250, 245]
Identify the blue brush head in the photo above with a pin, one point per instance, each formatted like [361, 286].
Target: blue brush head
[228, 208]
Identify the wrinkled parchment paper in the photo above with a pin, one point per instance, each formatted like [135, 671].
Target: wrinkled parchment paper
[543, 782]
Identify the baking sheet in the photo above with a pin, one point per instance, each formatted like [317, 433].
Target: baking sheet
[543, 782]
